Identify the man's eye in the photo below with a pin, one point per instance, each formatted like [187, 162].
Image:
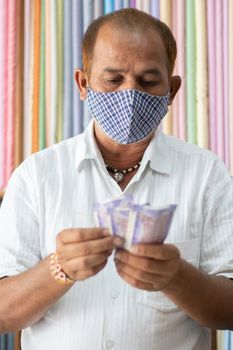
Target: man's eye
[149, 83]
[113, 81]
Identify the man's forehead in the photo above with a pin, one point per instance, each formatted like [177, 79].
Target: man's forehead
[115, 48]
[115, 30]
[112, 38]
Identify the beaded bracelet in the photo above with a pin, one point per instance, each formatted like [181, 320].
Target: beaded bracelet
[57, 271]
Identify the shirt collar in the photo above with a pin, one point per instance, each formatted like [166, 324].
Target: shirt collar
[157, 153]
[87, 148]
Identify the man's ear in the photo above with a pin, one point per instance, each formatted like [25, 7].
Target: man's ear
[81, 80]
[175, 84]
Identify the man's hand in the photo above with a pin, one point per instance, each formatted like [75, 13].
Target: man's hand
[83, 252]
[148, 266]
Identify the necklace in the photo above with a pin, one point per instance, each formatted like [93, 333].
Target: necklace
[119, 173]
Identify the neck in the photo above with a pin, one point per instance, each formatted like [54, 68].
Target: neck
[117, 155]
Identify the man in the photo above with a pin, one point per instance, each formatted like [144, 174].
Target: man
[153, 296]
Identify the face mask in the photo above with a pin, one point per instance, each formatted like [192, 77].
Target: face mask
[127, 116]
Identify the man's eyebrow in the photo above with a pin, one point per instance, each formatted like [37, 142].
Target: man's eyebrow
[153, 71]
[113, 70]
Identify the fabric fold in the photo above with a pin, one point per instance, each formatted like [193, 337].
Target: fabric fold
[42, 110]
[53, 71]
[118, 5]
[175, 104]
[212, 88]
[60, 69]
[18, 149]
[201, 74]
[108, 6]
[219, 79]
[230, 100]
[36, 77]
[165, 14]
[156, 7]
[88, 14]
[77, 32]
[68, 71]
[132, 3]
[190, 73]
[3, 22]
[126, 3]
[181, 96]
[98, 8]
[28, 76]
[225, 83]
[139, 4]
[48, 72]
[10, 72]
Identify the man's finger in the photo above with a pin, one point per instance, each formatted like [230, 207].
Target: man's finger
[83, 275]
[134, 282]
[85, 263]
[156, 251]
[86, 248]
[142, 263]
[82, 234]
[137, 274]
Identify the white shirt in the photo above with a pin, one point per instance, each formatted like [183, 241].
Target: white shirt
[56, 188]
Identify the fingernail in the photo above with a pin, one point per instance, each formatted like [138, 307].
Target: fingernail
[118, 242]
[133, 249]
[118, 255]
[106, 232]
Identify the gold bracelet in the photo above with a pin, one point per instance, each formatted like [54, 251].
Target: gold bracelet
[57, 271]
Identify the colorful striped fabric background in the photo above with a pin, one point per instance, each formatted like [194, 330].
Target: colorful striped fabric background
[7, 342]
[40, 47]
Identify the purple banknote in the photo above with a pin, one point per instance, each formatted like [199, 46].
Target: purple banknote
[134, 222]
[148, 225]
[103, 211]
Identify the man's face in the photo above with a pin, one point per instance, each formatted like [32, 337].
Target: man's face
[129, 60]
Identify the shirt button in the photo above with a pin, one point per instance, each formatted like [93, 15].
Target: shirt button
[109, 344]
[114, 294]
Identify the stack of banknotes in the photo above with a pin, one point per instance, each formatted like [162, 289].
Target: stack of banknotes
[133, 222]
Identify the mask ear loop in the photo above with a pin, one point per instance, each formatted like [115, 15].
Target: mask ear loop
[88, 89]
[168, 97]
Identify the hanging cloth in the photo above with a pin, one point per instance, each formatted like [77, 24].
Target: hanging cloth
[201, 74]
[190, 73]
[18, 151]
[230, 60]
[3, 12]
[68, 71]
[10, 73]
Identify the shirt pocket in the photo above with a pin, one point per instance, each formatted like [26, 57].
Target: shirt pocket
[189, 251]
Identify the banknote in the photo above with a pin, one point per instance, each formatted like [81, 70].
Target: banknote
[103, 211]
[119, 219]
[148, 225]
[102, 217]
[134, 222]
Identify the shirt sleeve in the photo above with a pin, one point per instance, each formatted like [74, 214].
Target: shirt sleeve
[217, 237]
[19, 224]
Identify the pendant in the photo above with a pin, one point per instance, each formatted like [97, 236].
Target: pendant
[118, 177]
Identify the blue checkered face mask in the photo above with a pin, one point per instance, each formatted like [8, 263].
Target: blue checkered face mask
[127, 116]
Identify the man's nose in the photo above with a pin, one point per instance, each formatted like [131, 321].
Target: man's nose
[131, 84]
